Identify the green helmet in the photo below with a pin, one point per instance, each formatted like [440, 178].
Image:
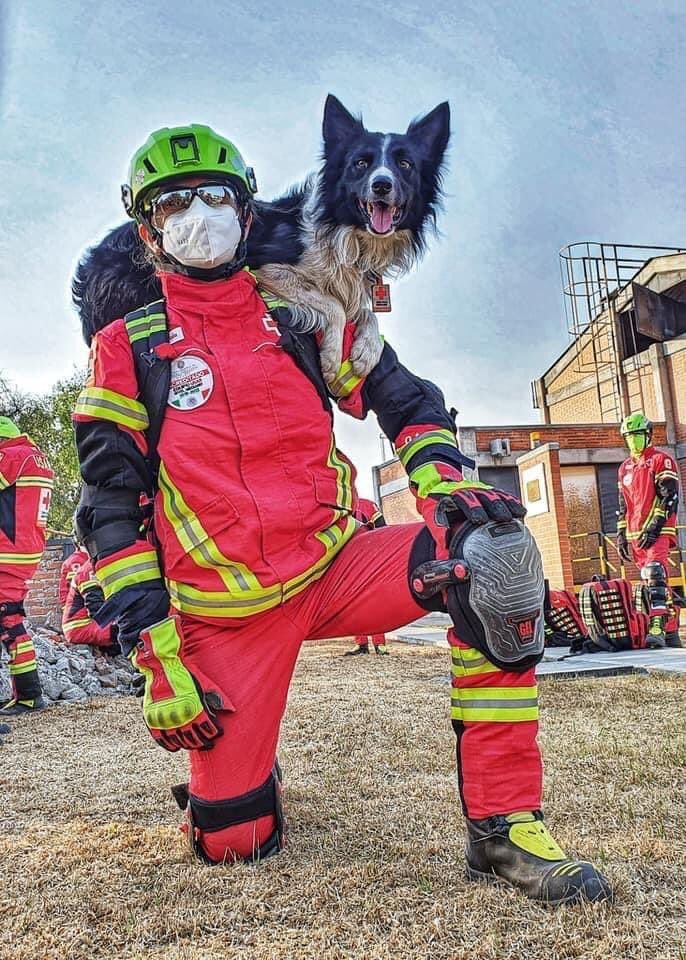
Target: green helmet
[8, 429]
[180, 151]
[636, 423]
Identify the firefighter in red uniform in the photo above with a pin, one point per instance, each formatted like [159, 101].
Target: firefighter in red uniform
[257, 549]
[68, 571]
[646, 530]
[26, 481]
[84, 599]
[370, 516]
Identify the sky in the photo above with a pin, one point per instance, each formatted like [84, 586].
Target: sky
[567, 122]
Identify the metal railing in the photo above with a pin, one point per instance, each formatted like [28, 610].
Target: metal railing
[610, 564]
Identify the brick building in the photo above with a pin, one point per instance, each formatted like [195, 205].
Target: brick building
[627, 316]
[43, 597]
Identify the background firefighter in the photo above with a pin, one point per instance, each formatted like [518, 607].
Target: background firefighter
[253, 517]
[26, 481]
[646, 529]
[84, 599]
[370, 516]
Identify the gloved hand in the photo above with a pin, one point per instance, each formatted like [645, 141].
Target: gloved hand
[93, 599]
[651, 533]
[177, 712]
[453, 502]
[623, 546]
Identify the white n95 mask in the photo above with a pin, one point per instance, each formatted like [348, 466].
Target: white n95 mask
[202, 236]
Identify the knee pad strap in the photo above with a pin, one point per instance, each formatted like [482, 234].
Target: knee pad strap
[209, 816]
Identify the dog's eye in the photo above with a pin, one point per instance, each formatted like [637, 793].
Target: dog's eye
[362, 164]
[405, 164]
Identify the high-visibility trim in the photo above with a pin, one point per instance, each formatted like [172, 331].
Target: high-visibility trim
[667, 474]
[495, 704]
[73, 624]
[16, 670]
[344, 482]
[128, 571]
[223, 604]
[47, 482]
[102, 404]
[408, 450]
[199, 545]
[345, 381]
[20, 558]
[469, 662]
[87, 584]
[272, 302]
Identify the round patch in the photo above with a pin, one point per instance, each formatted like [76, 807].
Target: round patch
[191, 383]
[627, 480]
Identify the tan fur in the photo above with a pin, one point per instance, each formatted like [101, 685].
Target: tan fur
[329, 284]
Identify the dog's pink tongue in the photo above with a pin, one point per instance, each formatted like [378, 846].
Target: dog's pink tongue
[382, 217]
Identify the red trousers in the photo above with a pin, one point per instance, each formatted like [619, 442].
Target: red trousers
[660, 552]
[364, 591]
[378, 639]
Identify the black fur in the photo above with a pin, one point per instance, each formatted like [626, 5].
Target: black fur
[114, 277]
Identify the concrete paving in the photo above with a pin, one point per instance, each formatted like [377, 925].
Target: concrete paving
[431, 631]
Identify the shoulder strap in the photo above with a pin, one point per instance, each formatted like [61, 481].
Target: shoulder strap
[147, 329]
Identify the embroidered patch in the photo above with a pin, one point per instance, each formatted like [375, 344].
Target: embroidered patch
[175, 334]
[192, 383]
[44, 506]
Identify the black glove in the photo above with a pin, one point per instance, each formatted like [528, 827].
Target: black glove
[94, 599]
[651, 533]
[623, 546]
[477, 503]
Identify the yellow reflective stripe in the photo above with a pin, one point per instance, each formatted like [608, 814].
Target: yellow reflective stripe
[198, 544]
[344, 484]
[27, 667]
[23, 558]
[667, 473]
[36, 482]
[23, 647]
[495, 704]
[128, 572]
[668, 530]
[116, 407]
[87, 585]
[345, 381]
[272, 302]
[73, 624]
[469, 662]
[408, 450]
[221, 604]
[333, 539]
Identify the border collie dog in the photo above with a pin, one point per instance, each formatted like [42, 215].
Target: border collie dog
[364, 215]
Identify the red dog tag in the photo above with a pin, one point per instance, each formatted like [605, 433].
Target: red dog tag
[381, 298]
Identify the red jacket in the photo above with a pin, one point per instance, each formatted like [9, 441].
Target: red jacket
[67, 571]
[26, 481]
[645, 488]
[254, 499]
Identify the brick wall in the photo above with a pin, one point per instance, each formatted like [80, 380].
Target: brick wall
[550, 529]
[43, 596]
[581, 407]
[676, 368]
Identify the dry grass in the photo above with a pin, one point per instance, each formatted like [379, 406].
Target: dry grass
[95, 867]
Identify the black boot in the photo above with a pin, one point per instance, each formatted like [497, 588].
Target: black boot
[519, 850]
[655, 640]
[673, 639]
[356, 651]
[26, 695]
[382, 650]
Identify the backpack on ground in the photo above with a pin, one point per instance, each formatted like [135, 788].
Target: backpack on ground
[564, 626]
[613, 623]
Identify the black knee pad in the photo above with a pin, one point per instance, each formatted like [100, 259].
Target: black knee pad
[655, 577]
[210, 816]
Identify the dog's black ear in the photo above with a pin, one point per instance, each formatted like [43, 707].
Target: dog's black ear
[338, 123]
[433, 130]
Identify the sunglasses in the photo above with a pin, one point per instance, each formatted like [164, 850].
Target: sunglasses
[173, 201]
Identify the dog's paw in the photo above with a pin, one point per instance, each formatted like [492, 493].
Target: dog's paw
[367, 345]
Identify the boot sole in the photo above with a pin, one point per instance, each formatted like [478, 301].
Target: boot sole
[478, 877]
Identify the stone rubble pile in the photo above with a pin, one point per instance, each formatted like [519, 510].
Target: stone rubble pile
[73, 673]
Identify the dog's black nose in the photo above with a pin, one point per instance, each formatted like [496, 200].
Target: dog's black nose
[381, 186]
